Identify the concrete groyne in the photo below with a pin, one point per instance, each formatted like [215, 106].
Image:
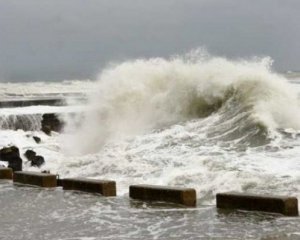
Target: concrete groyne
[6, 173]
[104, 187]
[34, 178]
[285, 205]
[254, 202]
[184, 196]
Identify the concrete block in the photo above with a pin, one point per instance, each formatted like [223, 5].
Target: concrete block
[104, 187]
[35, 178]
[6, 173]
[252, 202]
[184, 196]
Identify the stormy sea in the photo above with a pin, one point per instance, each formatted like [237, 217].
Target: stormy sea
[203, 122]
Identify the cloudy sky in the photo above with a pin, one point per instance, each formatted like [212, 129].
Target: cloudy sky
[75, 39]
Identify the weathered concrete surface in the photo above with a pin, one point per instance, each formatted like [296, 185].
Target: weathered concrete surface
[6, 173]
[184, 196]
[35, 178]
[252, 202]
[105, 187]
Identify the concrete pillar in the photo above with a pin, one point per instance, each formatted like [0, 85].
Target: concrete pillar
[6, 173]
[252, 202]
[35, 178]
[104, 187]
[184, 196]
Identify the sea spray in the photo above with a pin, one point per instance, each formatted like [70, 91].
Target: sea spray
[144, 94]
[216, 137]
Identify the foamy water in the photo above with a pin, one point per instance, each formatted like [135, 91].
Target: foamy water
[43, 89]
[208, 123]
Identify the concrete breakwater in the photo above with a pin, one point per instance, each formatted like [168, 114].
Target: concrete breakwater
[48, 101]
[284, 205]
[184, 196]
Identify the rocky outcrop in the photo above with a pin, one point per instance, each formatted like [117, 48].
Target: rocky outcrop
[12, 156]
[51, 122]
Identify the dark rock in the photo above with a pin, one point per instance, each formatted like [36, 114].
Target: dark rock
[38, 161]
[50, 122]
[30, 154]
[46, 171]
[15, 163]
[8, 153]
[36, 139]
[12, 156]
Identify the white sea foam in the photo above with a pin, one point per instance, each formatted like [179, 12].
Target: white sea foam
[40, 89]
[137, 96]
[203, 122]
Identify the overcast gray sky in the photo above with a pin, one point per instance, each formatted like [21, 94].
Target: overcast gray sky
[75, 39]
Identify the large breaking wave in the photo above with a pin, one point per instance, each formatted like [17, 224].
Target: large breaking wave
[240, 100]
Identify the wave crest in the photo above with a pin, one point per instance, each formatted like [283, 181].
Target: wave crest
[140, 95]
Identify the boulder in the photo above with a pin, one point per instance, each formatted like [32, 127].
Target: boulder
[30, 154]
[12, 156]
[50, 122]
[36, 139]
[38, 161]
[15, 163]
[7, 153]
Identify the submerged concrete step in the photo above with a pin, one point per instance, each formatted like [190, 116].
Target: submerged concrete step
[253, 202]
[184, 196]
[35, 178]
[6, 173]
[104, 187]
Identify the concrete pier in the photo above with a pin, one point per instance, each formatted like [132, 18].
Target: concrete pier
[184, 196]
[252, 202]
[105, 187]
[6, 173]
[32, 102]
[45, 101]
[35, 178]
